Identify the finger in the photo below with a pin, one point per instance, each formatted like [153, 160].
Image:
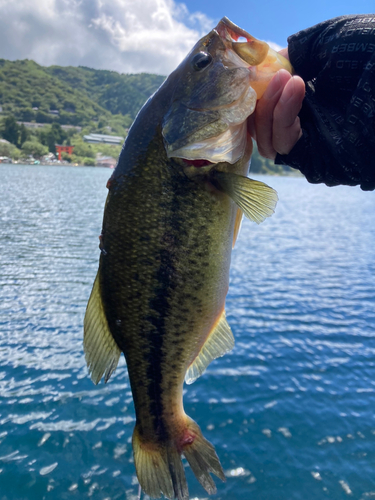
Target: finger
[264, 113]
[286, 125]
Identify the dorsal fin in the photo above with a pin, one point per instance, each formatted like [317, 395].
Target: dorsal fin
[237, 226]
[219, 341]
[101, 351]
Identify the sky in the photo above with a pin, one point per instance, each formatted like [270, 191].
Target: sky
[133, 36]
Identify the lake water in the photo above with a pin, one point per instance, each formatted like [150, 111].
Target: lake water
[291, 411]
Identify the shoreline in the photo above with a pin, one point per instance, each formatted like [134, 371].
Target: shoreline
[57, 163]
[52, 164]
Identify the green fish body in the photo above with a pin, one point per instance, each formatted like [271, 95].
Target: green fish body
[171, 219]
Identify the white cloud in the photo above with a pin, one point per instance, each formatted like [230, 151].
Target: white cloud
[128, 36]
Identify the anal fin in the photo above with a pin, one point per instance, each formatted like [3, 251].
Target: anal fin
[101, 351]
[219, 342]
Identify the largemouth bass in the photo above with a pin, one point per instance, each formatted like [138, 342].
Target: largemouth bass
[173, 212]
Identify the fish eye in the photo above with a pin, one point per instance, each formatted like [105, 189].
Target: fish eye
[201, 61]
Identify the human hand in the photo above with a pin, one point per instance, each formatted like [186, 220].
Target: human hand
[275, 124]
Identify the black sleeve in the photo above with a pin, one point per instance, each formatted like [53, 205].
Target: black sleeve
[336, 59]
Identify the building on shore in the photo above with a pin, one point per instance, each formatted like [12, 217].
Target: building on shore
[105, 161]
[103, 139]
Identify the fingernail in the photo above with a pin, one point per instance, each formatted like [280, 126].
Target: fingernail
[288, 91]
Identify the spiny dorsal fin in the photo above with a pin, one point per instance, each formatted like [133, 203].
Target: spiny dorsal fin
[256, 199]
[219, 342]
[101, 351]
[237, 226]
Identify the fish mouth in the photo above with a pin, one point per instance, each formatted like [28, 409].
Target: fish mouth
[252, 51]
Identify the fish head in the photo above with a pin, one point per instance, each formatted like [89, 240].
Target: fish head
[214, 91]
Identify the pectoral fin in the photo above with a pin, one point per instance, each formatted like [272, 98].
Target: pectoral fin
[101, 351]
[254, 198]
[219, 342]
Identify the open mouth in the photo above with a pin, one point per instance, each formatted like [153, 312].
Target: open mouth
[248, 48]
[226, 29]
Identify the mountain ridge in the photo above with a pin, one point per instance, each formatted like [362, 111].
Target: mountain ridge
[79, 95]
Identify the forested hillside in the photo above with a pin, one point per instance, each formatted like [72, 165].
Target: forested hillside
[71, 96]
[117, 93]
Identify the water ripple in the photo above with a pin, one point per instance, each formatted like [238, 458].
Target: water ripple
[290, 410]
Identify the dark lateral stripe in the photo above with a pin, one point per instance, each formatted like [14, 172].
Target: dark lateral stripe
[155, 356]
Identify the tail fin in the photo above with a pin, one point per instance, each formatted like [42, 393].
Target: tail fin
[202, 458]
[160, 470]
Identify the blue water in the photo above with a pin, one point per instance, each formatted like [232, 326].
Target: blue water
[291, 411]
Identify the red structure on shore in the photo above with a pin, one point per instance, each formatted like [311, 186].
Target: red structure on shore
[63, 149]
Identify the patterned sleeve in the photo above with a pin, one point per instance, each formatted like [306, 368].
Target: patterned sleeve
[336, 59]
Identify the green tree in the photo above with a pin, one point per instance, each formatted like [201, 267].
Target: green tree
[89, 162]
[66, 157]
[51, 141]
[58, 132]
[9, 150]
[16, 153]
[27, 114]
[102, 123]
[42, 117]
[34, 149]
[11, 130]
[52, 135]
[83, 149]
[24, 135]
